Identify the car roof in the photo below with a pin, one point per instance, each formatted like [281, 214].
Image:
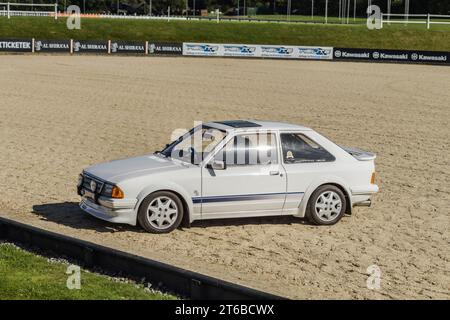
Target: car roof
[259, 124]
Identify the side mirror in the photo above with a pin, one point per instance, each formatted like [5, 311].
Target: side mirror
[217, 165]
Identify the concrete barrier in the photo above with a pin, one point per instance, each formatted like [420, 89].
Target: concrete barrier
[182, 282]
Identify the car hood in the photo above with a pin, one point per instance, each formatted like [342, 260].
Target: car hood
[118, 170]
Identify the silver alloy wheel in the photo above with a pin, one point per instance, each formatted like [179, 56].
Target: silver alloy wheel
[162, 213]
[328, 206]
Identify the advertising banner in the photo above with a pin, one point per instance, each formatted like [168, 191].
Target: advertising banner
[52, 46]
[90, 46]
[258, 51]
[127, 47]
[315, 53]
[224, 50]
[14, 45]
[241, 50]
[391, 55]
[171, 48]
[430, 56]
[202, 49]
[284, 52]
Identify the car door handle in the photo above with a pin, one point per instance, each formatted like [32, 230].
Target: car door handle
[274, 173]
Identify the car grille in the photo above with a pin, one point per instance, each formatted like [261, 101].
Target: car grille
[87, 184]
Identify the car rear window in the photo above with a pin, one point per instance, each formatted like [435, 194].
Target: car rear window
[297, 148]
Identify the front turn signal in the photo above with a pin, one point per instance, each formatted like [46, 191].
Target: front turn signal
[372, 179]
[117, 193]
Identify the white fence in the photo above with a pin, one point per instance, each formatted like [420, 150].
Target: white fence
[426, 19]
[6, 10]
[15, 13]
[116, 16]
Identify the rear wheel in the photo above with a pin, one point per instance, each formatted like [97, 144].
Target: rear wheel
[326, 206]
[160, 212]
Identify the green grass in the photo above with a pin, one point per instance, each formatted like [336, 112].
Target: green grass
[331, 19]
[24, 275]
[283, 17]
[414, 37]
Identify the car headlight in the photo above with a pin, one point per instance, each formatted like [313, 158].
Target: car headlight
[80, 180]
[112, 191]
[107, 190]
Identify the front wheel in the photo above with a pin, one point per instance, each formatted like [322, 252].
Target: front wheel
[160, 212]
[326, 206]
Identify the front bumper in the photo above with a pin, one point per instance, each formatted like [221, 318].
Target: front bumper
[111, 210]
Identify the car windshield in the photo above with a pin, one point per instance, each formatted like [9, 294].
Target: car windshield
[195, 145]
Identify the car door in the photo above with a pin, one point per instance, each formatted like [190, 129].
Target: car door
[253, 182]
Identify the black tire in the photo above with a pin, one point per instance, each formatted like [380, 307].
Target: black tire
[311, 212]
[143, 217]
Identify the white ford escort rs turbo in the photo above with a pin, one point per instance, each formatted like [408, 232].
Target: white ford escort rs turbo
[232, 169]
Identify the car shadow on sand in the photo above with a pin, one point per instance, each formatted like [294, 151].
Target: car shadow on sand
[275, 220]
[70, 214]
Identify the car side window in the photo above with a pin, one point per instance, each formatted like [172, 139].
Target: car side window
[250, 149]
[297, 148]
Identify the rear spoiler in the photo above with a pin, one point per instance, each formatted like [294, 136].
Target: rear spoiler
[359, 154]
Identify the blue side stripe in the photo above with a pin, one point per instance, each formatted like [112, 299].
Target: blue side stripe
[243, 197]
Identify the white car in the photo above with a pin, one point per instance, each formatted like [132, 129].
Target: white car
[232, 169]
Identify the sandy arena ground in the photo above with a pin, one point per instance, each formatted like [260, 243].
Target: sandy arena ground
[59, 114]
